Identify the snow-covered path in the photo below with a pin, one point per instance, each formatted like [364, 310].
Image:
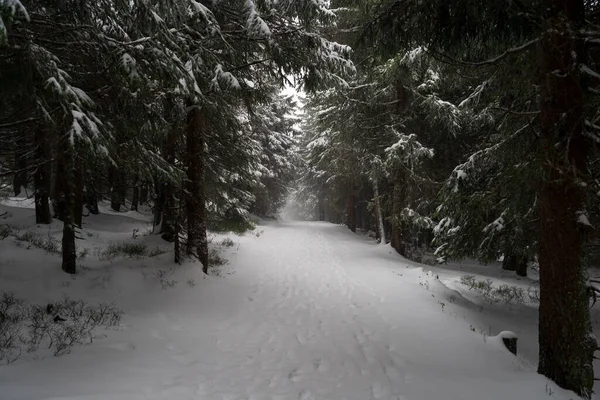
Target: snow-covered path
[311, 312]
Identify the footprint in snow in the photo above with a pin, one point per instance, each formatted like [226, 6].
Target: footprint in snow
[320, 365]
[125, 346]
[157, 335]
[380, 390]
[179, 328]
[294, 376]
[306, 395]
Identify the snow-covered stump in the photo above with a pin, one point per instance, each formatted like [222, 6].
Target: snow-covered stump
[509, 339]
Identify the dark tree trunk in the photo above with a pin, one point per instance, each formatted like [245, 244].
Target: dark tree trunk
[60, 181]
[68, 239]
[20, 178]
[41, 177]
[361, 210]
[159, 201]
[510, 262]
[378, 213]
[351, 213]
[177, 238]
[78, 193]
[169, 221]
[135, 198]
[117, 195]
[91, 199]
[566, 344]
[351, 210]
[144, 193]
[398, 201]
[197, 243]
[521, 266]
[321, 209]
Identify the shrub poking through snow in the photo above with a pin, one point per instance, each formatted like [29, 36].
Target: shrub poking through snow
[5, 231]
[497, 294]
[162, 277]
[227, 242]
[57, 326]
[131, 250]
[215, 262]
[156, 251]
[46, 243]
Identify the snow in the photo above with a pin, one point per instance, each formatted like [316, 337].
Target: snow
[224, 79]
[583, 219]
[11, 9]
[302, 311]
[255, 25]
[587, 70]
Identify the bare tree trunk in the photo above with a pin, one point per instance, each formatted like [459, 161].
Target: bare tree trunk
[78, 193]
[521, 267]
[351, 210]
[117, 195]
[197, 243]
[60, 181]
[91, 198]
[159, 201]
[68, 239]
[509, 263]
[566, 343]
[321, 209]
[398, 201]
[21, 176]
[41, 177]
[144, 193]
[135, 198]
[378, 213]
[169, 220]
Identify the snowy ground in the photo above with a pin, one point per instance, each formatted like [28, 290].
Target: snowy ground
[302, 311]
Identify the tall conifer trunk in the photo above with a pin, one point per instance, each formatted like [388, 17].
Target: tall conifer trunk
[60, 177]
[41, 177]
[169, 220]
[398, 201]
[378, 212]
[351, 209]
[197, 243]
[135, 197]
[68, 239]
[79, 184]
[566, 344]
[159, 201]
[321, 209]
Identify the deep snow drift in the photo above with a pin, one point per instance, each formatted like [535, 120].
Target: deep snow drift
[302, 311]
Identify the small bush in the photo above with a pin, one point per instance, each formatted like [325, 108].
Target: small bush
[258, 232]
[227, 242]
[83, 253]
[131, 250]
[215, 262]
[162, 277]
[58, 326]
[46, 243]
[503, 293]
[235, 225]
[156, 251]
[215, 259]
[5, 231]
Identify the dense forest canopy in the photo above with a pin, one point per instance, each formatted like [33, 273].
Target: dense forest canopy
[452, 129]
